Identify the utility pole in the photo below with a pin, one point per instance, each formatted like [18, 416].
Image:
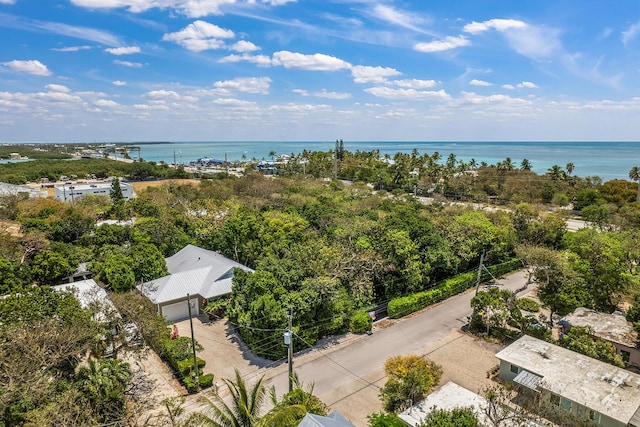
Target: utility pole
[288, 340]
[480, 267]
[193, 346]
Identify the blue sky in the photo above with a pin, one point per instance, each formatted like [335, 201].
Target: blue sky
[180, 70]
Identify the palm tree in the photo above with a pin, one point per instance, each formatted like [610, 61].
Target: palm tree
[242, 411]
[556, 173]
[104, 383]
[525, 165]
[293, 406]
[634, 174]
[569, 168]
[507, 164]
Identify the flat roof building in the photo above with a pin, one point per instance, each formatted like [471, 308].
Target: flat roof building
[453, 396]
[7, 189]
[71, 191]
[611, 327]
[581, 385]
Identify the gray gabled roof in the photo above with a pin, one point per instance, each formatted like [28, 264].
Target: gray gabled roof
[194, 271]
[192, 257]
[334, 419]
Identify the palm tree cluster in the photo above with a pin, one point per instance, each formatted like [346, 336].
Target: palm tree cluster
[244, 405]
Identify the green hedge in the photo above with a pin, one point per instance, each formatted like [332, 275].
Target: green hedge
[185, 366]
[204, 381]
[360, 323]
[406, 305]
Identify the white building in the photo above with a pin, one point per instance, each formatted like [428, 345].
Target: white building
[581, 385]
[7, 189]
[453, 396]
[71, 191]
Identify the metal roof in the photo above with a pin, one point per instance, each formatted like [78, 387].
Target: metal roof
[191, 257]
[612, 391]
[528, 379]
[194, 271]
[334, 419]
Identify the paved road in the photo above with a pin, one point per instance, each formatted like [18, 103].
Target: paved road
[341, 374]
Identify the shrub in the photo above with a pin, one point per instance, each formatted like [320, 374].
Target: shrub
[527, 304]
[206, 380]
[361, 323]
[190, 384]
[185, 366]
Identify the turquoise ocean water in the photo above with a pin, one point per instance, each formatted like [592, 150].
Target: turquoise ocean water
[608, 160]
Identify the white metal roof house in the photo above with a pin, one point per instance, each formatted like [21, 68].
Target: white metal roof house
[193, 271]
[608, 395]
[334, 419]
[611, 327]
[89, 293]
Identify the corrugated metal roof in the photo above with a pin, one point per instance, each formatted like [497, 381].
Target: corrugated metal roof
[194, 271]
[191, 257]
[528, 379]
[332, 420]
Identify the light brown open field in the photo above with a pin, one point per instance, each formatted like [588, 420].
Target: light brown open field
[13, 228]
[141, 185]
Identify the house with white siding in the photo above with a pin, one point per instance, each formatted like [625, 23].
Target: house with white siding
[200, 273]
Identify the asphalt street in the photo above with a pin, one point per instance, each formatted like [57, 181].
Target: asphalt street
[341, 374]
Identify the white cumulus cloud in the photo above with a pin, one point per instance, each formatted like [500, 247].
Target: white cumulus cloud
[315, 62]
[58, 88]
[190, 8]
[368, 74]
[34, 67]
[476, 82]
[528, 85]
[119, 83]
[495, 24]
[106, 103]
[259, 60]
[415, 83]
[199, 36]
[128, 50]
[244, 46]
[391, 93]
[532, 41]
[246, 84]
[161, 94]
[447, 43]
[324, 94]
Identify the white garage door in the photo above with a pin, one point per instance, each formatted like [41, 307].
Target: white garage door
[180, 310]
